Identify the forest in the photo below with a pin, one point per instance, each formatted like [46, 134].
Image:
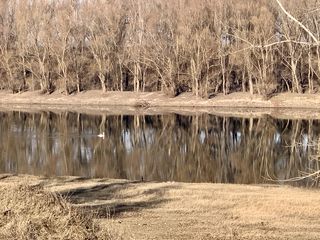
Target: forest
[205, 47]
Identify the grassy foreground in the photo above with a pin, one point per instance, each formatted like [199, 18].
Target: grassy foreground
[78, 208]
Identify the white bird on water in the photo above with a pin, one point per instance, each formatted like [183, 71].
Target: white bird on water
[101, 135]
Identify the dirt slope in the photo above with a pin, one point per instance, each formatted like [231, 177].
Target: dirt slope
[157, 99]
[285, 105]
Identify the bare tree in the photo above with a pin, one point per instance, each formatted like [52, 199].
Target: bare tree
[208, 46]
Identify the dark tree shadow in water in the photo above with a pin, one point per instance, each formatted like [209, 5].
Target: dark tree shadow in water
[106, 200]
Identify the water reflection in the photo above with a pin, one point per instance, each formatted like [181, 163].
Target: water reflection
[203, 148]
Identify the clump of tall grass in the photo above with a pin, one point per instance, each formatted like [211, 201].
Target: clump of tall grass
[30, 212]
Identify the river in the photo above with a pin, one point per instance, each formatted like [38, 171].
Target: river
[169, 147]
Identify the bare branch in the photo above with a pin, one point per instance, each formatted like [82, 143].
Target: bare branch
[298, 22]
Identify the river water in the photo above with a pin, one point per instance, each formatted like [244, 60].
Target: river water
[171, 147]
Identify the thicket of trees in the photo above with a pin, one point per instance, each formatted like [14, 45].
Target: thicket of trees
[205, 46]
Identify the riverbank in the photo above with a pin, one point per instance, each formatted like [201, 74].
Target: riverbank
[284, 105]
[158, 99]
[148, 210]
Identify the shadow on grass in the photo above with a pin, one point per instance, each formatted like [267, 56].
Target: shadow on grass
[107, 200]
[4, 176]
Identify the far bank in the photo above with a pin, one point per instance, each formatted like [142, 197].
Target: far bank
[283, 105]
[158, 99]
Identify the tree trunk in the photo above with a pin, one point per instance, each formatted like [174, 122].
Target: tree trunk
[103, 82]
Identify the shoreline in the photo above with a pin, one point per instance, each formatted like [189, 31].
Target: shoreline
[282, 106]
[158, 99]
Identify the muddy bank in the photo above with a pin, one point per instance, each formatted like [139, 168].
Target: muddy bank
[306, 106]
[170, 210]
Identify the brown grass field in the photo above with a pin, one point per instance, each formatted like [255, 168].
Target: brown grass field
[78, 208]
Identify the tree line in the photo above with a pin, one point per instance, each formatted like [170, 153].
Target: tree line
[204, 47]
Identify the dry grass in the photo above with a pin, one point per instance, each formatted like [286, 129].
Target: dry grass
[30, 212]
[145, 210]
[222, 211]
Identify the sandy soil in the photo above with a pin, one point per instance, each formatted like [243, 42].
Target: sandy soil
[147, 210]
[157, 99]
[285, 105]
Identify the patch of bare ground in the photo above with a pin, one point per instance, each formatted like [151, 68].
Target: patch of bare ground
[158, 99]
[284, 105]
[147, 210]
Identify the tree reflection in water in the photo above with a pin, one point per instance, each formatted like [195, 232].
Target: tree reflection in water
[198, 148]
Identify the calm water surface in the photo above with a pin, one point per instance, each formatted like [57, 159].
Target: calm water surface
[203, 148]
